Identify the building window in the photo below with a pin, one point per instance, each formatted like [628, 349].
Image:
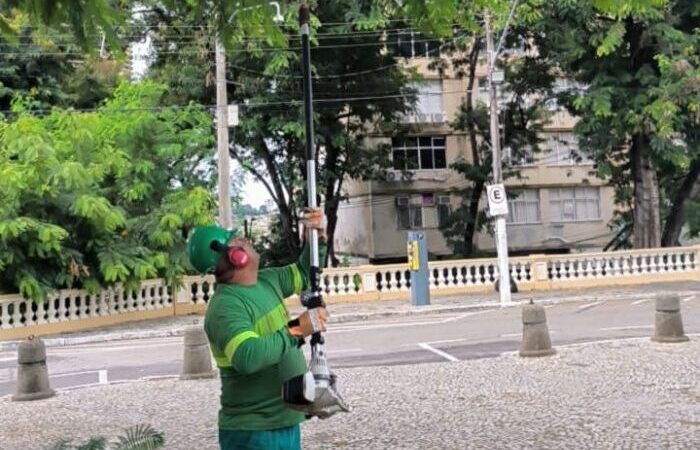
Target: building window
[574, 204]
[522, 157]
[428, 107]
[419, 153]
[524, 207]
[562, 150]
[422, 211]
[411, 44]
[443, 210]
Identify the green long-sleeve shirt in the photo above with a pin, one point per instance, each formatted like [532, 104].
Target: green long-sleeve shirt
[247, 331]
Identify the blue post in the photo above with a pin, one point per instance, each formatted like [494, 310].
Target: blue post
[418, 267]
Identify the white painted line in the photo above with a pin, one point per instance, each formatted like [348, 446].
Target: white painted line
[70, 374]
[447, 356]
[92, 349]
[14, 358]
[687, 299]
[632, 327]
[102, 377]
[509, 335]
[379, 326]
[348, 350]
[589, 306]
[639, 302]
[462, 316]
[445, 341]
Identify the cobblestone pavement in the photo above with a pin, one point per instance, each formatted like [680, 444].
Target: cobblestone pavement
[347, 312]
[631, 394]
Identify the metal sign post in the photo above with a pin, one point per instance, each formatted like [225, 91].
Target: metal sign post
[418, 265]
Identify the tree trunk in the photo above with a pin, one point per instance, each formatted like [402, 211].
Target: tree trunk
[470, 227]
[331, 201]
[332, 217]
[477, 190]
[646, 220]
[690, 188]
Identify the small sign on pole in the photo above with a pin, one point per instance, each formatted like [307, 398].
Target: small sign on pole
[232, 115]
[498, 202]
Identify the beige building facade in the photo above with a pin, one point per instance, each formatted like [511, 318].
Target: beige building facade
[561, 205]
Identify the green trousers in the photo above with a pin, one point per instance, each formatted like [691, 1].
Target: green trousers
[281, 439]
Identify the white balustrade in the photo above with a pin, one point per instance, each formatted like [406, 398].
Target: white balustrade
[367, 281]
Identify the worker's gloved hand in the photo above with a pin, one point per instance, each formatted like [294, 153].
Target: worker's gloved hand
[310, 322]
[313, 219]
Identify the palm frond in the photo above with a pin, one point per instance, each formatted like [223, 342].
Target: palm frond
[62, 445]
[96, 443]
[140, 437]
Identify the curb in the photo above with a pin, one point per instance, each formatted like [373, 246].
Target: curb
[180, 331]
[333, 319]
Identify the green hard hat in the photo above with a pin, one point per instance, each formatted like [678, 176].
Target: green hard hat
[199, 250]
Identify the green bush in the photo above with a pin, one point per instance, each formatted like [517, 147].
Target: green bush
[93, 198]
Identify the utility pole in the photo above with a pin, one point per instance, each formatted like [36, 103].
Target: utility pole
[224, 160]
[222, 123]
[501, 236]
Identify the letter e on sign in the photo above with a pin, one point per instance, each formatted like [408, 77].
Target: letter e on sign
[498, 202]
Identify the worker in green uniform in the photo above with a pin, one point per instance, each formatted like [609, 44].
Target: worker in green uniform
[253, 341]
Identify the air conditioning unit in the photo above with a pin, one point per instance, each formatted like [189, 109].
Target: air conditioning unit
[401, 201]
[443, 200]
[417, 200]
[438, 118]
[421, 118]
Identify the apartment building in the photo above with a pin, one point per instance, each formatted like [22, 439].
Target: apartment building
[561, 205]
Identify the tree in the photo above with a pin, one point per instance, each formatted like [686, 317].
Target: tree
[269, 141]
[91, 198]
[639, 108]
[527, 83]
[46, 67]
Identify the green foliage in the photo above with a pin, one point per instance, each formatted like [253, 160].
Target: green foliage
[138, 437]
[107, 196]
[640, 64]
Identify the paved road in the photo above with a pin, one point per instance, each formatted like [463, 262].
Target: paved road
[406, 340]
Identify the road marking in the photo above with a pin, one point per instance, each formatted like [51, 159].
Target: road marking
[70, 374]
[589, 306]
[445, 341]
[510, 335]
[639, 302]
[380, 326]
[348, 350]
[462, 316]
[632, 327]
[111, 348]
[14, 358]
[447, 356]
[102, 377]
[687, 299]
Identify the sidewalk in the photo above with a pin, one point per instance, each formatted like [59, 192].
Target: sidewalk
[626, 394]
[362, 311]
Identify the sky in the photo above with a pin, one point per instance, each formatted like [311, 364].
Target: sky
[254, 193]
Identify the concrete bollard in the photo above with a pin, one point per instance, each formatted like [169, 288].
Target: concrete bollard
[669, 323]
[32, 373]
[536, 340]
[196, 360]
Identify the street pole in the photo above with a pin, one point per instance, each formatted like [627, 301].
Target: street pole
[501, 236]
[222, 143]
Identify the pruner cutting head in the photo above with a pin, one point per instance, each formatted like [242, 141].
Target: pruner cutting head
[314, 393]
[326, 398]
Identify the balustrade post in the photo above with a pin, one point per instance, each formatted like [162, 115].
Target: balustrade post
[540, 274]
